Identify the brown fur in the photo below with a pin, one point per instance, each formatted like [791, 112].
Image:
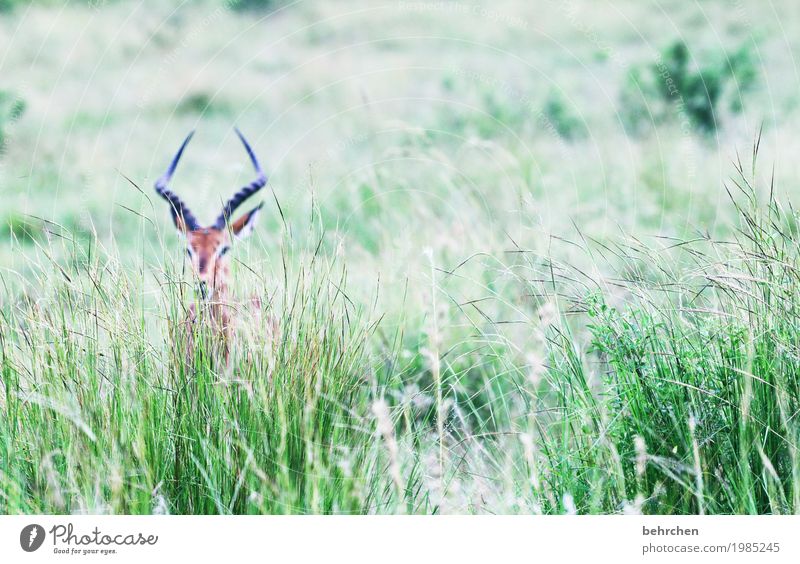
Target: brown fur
[208, 249]
[213, 271]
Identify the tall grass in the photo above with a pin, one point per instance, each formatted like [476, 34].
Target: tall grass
[672, 388]
[686, 398]
[104, 412]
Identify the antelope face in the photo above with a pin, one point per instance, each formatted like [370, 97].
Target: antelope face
[207, 248]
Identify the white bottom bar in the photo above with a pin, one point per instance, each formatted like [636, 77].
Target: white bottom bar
[400, 539]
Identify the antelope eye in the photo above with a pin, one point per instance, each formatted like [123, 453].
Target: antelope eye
[224, 250]
[189, 251]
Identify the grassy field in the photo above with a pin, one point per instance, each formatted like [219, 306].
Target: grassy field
[524, 258]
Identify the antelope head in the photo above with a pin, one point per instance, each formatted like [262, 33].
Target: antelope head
[207, 246]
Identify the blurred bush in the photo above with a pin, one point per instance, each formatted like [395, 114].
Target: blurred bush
[12, 107]
[692, 90]
[254, 5]
[10, 5]
[22, 228]
[563, 117]
[203, 103]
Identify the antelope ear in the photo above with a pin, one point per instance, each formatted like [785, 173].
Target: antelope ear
[243, 226]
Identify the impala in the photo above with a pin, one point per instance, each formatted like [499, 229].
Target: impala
[207, 247]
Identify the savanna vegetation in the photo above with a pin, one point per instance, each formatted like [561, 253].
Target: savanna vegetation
[523, 259]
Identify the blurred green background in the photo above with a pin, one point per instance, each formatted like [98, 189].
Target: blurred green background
[397, 126]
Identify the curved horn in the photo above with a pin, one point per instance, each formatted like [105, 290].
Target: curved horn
[247, 191]
[177, 207]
